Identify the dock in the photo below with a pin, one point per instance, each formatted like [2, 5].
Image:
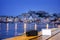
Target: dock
[55, 36]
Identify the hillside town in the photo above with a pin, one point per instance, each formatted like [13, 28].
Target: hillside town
[32, 16]
[11, 26]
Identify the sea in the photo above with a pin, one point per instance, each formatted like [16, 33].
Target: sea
[12, 30]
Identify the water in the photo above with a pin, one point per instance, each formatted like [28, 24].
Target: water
[11, 31]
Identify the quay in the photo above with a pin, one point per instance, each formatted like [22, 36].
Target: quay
[55, 36]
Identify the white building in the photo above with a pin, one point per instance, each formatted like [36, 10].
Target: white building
[10, 19]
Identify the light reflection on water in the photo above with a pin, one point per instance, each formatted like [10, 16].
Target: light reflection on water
[20, 29]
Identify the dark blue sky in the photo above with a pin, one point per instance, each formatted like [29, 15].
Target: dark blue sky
[16, 7]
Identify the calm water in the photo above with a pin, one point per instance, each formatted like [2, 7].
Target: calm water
[11, 32]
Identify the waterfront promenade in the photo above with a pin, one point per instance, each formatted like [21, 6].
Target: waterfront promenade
[55, 36]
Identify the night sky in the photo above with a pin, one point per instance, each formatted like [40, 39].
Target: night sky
[16, 7]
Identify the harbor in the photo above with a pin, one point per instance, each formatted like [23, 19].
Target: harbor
[29, 19]
[19, 27]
